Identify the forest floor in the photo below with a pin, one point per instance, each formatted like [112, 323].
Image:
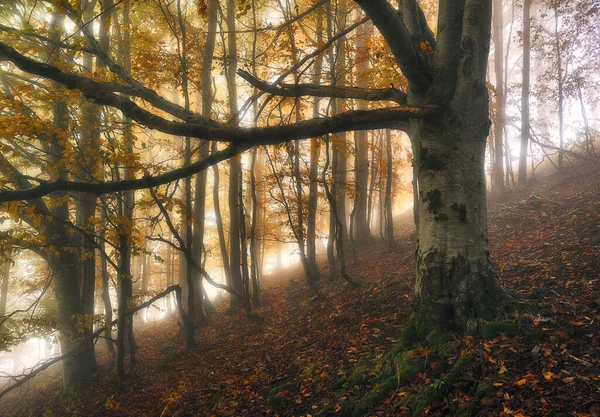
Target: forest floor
[304, 356]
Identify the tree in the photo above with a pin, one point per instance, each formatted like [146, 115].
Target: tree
[500, 120]
[444, 111]
[525, 123]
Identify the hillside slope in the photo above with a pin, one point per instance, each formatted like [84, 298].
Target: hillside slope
[299, 355]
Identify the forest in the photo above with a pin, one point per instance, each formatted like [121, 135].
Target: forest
[299, 208]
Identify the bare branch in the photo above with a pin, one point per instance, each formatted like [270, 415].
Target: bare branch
[85, 343]
[317, 90]
[109, 187]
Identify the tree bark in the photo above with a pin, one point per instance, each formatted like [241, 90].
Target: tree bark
[200, 183]
[499, 124]
[315, 149]
[88, 169]
[560, 84]
[235, 169]
[4, 276]
[362, 230]
[525, 91]
[455, 278]
[389, 179]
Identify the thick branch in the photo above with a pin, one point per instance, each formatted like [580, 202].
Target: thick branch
[317, 90]
[208, 129]
[110, 187]
[397, 36]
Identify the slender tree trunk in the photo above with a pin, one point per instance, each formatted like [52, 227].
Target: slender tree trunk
[340, 148]
[333, 111]
[219, 222]
[108, 311]
[560, 81]
[235, 171]
[4, 276]
[200, 183]
[311, 231]
[254, 250]
[525, 91]
[389, 215]
[372, 182]
[498, 165]
[589, 140]
[361, 230]
[192, 286]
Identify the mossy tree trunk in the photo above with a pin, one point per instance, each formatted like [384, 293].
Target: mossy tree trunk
[455, 278]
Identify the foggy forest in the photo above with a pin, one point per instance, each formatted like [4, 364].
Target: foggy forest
[299, 208]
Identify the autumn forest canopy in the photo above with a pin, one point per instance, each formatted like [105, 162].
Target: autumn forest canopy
[299, 207]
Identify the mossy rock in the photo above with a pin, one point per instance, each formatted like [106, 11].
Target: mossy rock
[494, 329]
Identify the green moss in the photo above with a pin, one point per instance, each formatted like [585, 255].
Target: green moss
[434, 201]
[433, 160]
[474, 326]
[357, 377]
[378, 393]
[276, 401]
[484, 389]
[439, 338]
[281, 388]
[441, 387]
[405, 374]
[496, 328]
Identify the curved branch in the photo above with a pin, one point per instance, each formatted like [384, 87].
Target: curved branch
[204, 128]
[110, 187]
[318, 90]
[399, 39]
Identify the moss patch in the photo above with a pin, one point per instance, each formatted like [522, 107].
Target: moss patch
[495, 328]
[434, 201]
[441, 387]
[406, 374]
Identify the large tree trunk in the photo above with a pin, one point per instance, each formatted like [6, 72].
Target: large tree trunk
[89, 144]
[455, 278]
[78, 369]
